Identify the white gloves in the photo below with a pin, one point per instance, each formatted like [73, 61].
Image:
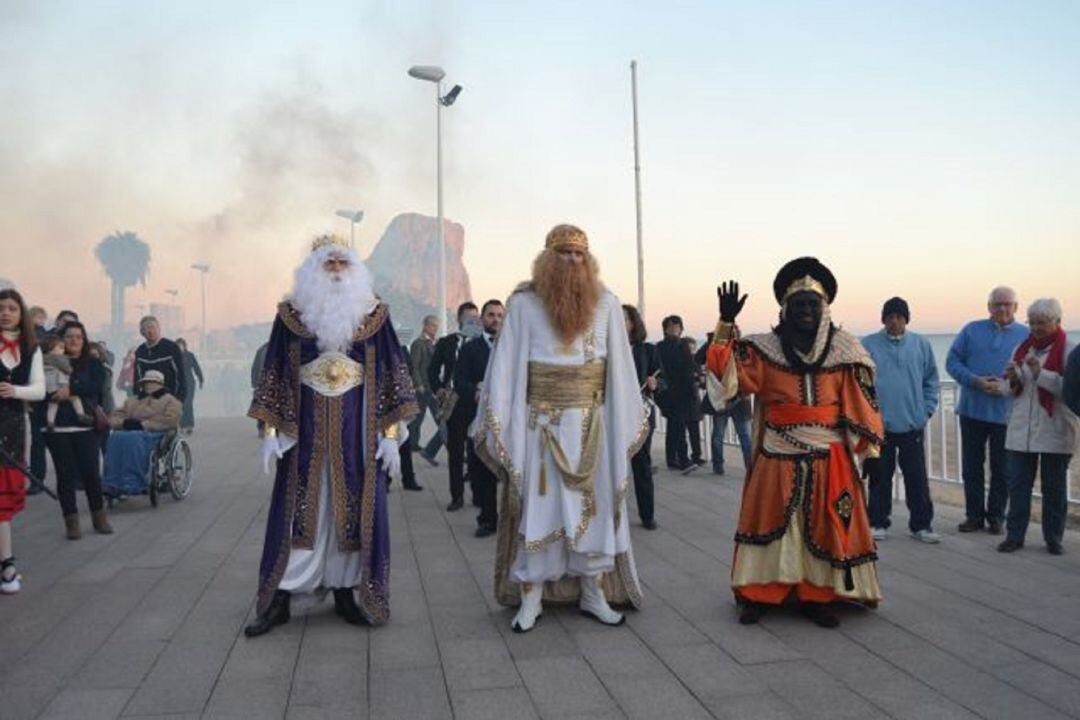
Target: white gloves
[270, 450]
[391, 459]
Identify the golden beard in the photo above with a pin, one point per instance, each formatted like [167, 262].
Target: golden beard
[569, 291]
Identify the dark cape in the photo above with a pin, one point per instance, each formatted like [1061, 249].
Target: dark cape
[344, 429]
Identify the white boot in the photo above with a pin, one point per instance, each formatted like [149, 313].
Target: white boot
[595, 605]
[531, 607]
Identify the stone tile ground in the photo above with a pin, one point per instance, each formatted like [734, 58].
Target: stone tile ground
[147, 622]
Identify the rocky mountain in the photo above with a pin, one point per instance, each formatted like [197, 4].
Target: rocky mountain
[405, 263]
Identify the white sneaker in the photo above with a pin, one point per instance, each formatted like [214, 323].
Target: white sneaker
[595, 605]
[531, 608]
[880, 533]
[927, 536]
[10, 579]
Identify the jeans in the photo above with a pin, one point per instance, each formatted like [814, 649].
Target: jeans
[426, 401]
[76, 456]
[974, 437]
[1055, 500]
[740, 418]
[641, 464]
[910, 447]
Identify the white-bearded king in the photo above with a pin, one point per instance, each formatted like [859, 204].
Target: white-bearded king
[559, 418]
[335, 387]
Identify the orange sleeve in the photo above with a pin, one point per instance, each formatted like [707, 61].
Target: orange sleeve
[749, 367]
[859, 409]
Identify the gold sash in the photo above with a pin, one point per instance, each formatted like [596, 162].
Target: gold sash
[553, 388]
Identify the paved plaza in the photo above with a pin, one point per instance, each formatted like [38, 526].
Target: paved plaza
[147, 622]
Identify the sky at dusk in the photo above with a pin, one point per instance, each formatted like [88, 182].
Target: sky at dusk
[926, 149]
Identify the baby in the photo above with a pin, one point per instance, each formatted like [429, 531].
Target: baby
[58, 375]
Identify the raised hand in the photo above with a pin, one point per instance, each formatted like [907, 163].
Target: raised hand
[730, 302]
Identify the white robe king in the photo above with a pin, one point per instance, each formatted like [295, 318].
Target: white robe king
[558, 422]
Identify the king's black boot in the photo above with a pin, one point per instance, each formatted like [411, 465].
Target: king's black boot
[346, 608]
[277, 613]
[820, 614]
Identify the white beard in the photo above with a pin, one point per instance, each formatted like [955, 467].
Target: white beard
[333, 309]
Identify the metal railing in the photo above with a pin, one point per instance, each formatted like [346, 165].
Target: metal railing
[944, 460]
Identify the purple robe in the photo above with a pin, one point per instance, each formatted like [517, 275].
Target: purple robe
[342, 429]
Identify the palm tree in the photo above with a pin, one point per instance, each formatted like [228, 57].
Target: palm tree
[126, 260]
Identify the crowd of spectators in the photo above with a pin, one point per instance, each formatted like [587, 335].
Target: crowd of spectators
[60, 379]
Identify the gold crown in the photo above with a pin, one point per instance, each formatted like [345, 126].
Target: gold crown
[566, 235]
[806, 282]
[324, 240]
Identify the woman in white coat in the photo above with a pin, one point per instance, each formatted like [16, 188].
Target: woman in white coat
[1042, 430]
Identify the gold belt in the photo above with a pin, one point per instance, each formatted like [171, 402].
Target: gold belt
[559, 387]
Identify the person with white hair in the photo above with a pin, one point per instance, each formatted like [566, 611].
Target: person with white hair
[976, 360]
[1042, 429]
[333, 393]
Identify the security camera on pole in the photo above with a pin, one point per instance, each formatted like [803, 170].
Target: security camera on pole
[435, 74]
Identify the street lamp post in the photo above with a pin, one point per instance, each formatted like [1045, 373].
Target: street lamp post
[353, 216]
[435, 74]
[203, 269]
[637, 194]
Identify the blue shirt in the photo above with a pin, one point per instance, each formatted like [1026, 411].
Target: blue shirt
[983, 349]
[906, 381]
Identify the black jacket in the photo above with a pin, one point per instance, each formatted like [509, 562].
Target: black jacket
[647, 363]
[680, 397]
[167, 358]
[89, 382]
[469, 373]
[443, 358]
[1071, 391]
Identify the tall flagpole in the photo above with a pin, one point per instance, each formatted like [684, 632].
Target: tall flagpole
[637, 195]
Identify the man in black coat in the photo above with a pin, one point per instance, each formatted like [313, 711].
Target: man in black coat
[468, 377]
[678, 399]
[1071, 387]
[160, 354]
[440, 379]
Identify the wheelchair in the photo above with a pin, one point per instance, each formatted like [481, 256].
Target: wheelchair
[170, 468]
[168, 471]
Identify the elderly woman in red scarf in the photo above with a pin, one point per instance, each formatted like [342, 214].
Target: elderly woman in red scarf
[1042, 430]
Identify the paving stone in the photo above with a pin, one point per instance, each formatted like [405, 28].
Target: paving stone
[249, 698]
[147, 623]
[479, 664]
[496, 704]
[87, 704]
[418, 694]
[653, 697]
[563, 686]
[403, 646]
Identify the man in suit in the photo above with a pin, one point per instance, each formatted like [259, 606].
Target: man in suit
[420, 353]
[440, 382]
[468, 378]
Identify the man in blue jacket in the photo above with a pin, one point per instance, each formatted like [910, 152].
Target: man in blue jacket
[907, 390]
[977, 361]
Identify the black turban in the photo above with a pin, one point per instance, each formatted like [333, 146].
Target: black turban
[800, 268]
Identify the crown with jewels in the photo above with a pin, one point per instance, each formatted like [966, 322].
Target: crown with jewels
[567, 236]
[328, 239]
